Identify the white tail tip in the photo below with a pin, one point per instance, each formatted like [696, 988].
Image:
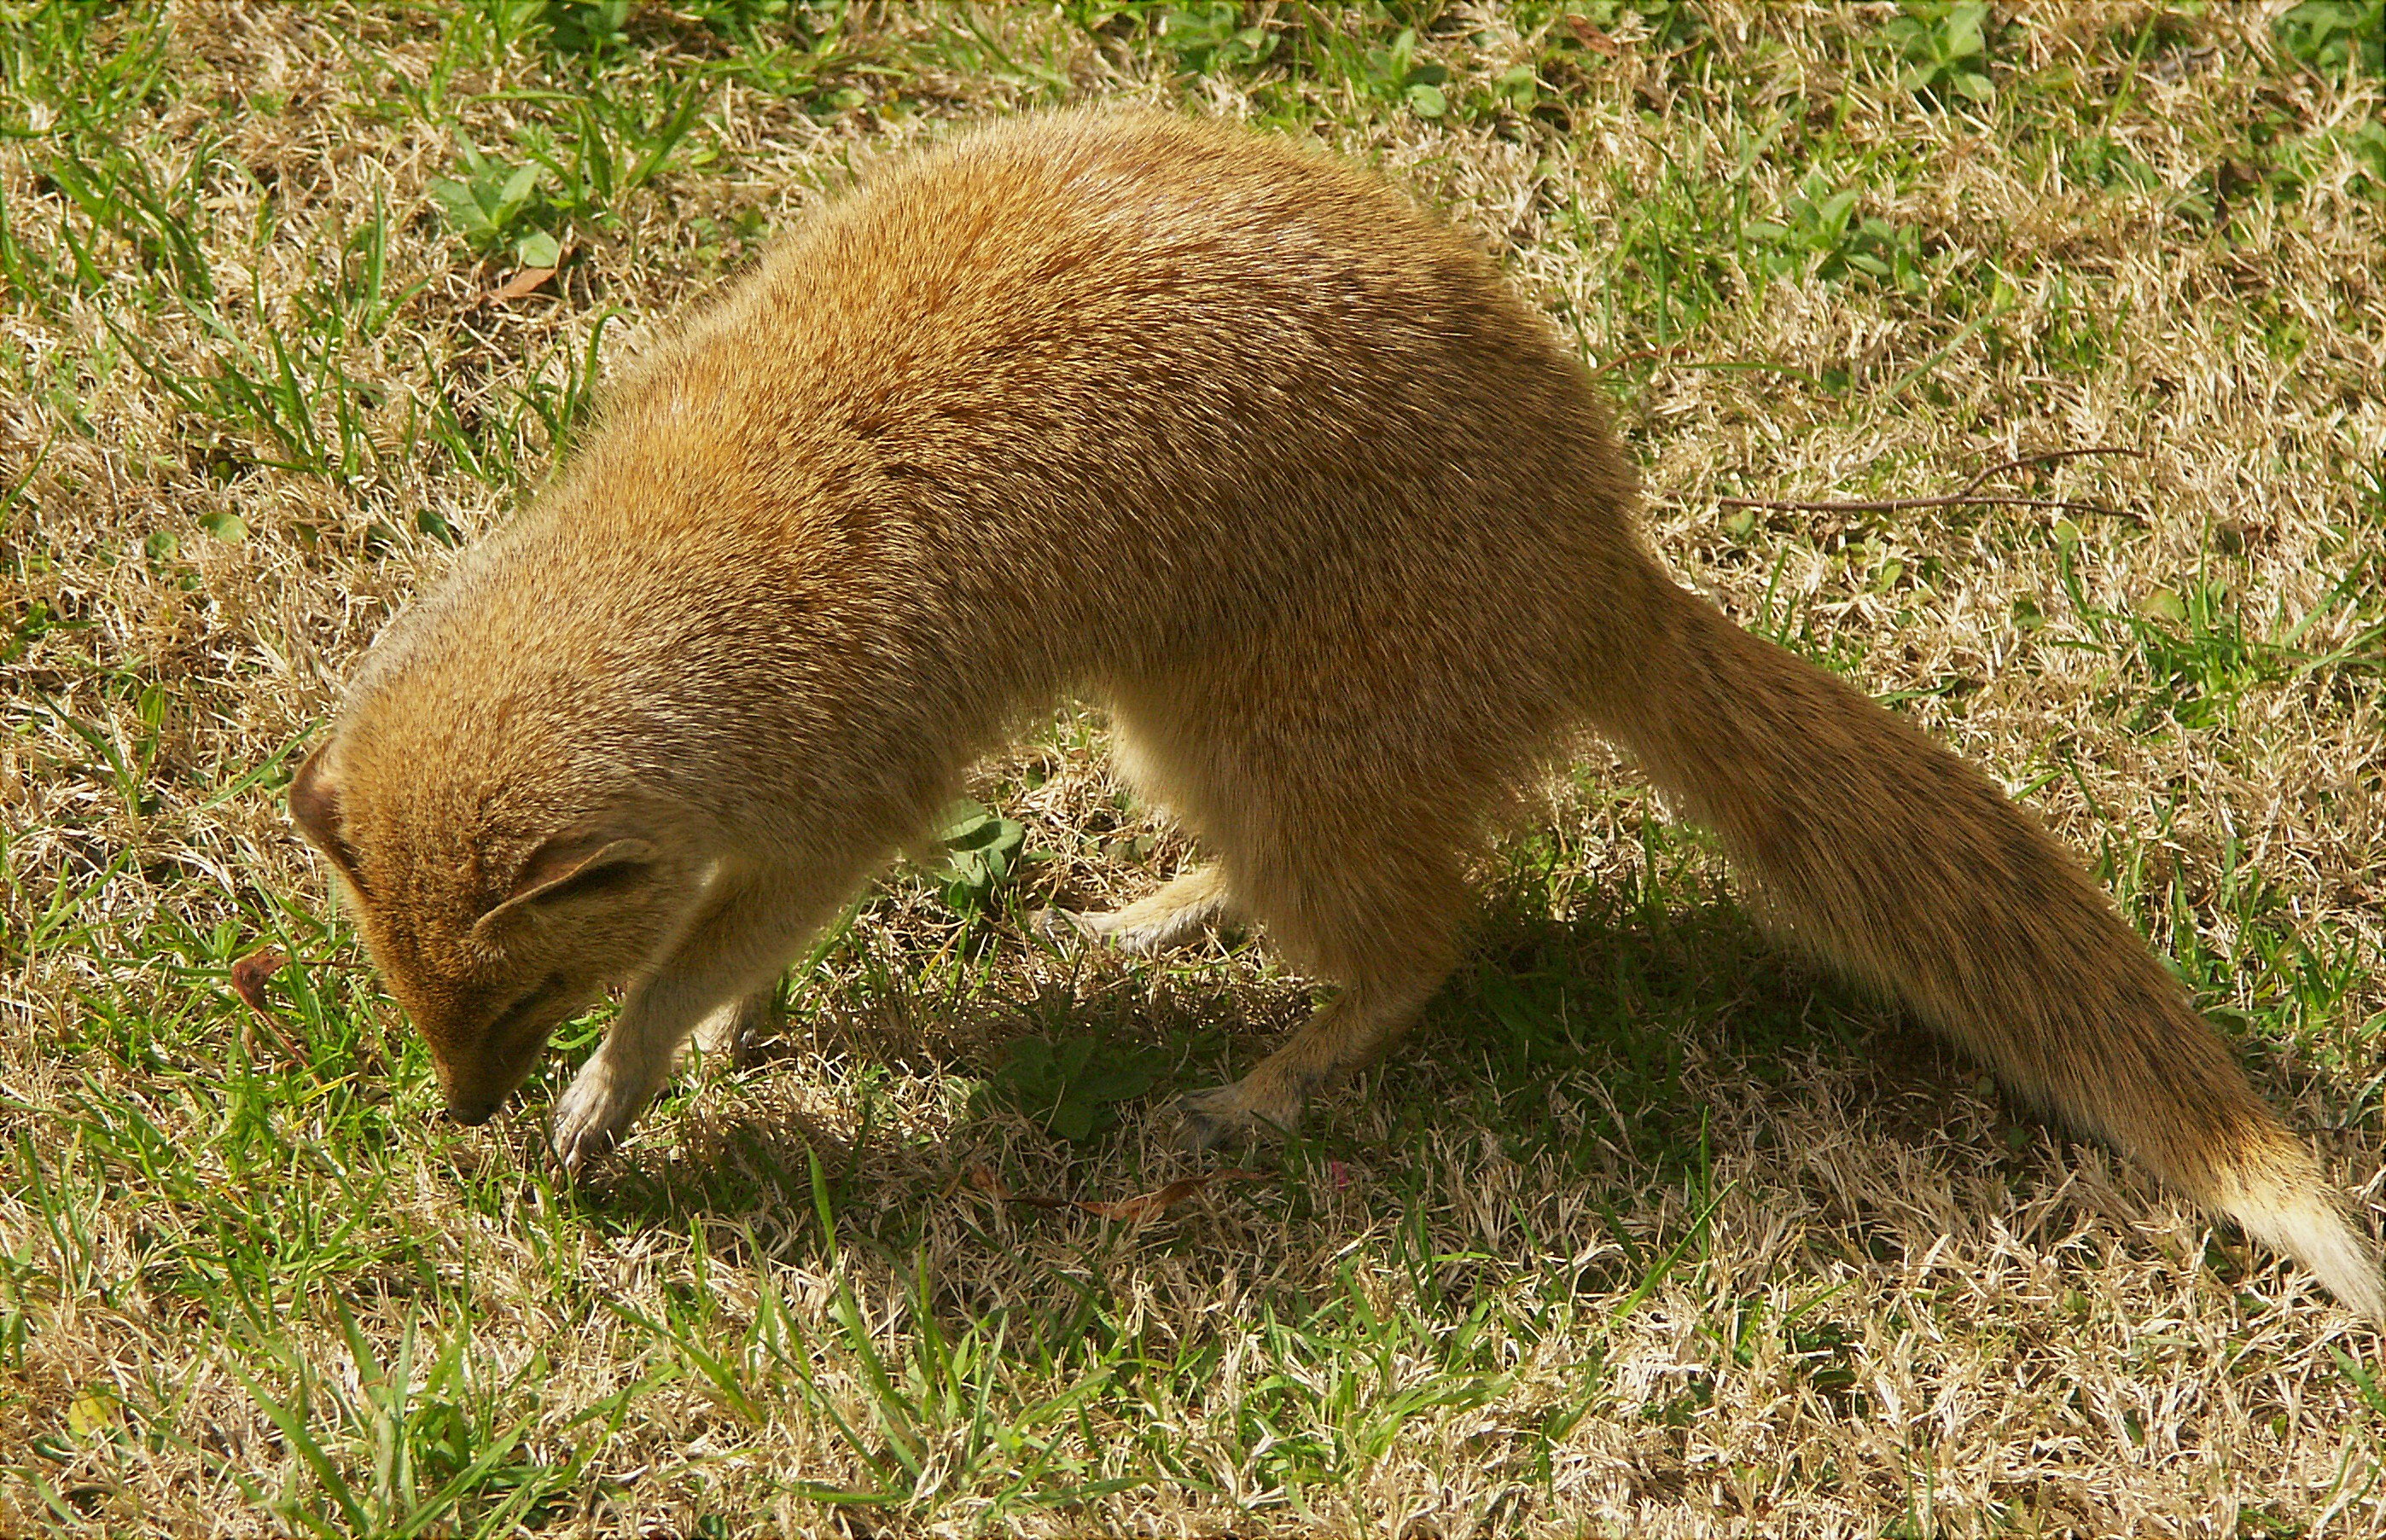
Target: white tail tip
[2312, 1230]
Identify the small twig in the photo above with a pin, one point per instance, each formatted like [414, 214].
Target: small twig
[1969, 497]
[2048, 458]
[1640, 356]
[1673, 354]
[1894, 505]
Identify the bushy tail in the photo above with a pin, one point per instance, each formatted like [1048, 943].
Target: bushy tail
[1906, 865]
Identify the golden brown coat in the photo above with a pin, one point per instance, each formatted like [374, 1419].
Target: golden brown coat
[1234, 440]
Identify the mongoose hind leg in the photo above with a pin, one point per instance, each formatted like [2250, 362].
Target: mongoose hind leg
[1372, 914]
[1335, 832]
[1182, 912]
[1344, 1034]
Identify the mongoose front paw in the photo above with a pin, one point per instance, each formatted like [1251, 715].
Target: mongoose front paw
[591, 1116]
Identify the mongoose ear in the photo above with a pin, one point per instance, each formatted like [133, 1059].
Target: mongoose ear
[315, 807]
[566, 869]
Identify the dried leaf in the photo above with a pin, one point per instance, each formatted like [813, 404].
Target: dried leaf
[1592, 38]
[520, 284]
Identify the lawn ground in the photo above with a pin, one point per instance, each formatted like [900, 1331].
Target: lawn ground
[1651, 1230]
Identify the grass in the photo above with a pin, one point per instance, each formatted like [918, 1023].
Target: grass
[1648, 1230]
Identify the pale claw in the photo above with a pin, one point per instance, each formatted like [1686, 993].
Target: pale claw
[591, 1115]
[1057, 925]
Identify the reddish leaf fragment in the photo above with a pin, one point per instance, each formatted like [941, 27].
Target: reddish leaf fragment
[1133, 1210]
[1151, 1206]
[249, 977]
[992, 1186]
[251, 973]
[520, 284]
[1592, 38]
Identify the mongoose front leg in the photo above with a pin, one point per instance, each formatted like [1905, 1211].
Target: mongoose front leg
[1344, 1034]
[1177, 913]
[719, 969]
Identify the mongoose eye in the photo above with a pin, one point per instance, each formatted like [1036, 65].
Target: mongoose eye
[523, 1008]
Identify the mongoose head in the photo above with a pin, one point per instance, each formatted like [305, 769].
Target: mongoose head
[496, 905]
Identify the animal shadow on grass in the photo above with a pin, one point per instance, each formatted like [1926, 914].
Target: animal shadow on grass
[1047, 1079]
[1608, 1045]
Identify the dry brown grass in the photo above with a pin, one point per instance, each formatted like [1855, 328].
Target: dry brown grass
[1891, 1307]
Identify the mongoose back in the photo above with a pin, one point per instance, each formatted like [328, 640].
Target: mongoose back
[1233, 438]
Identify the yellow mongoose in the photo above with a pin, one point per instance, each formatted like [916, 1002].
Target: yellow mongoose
[1233, 438]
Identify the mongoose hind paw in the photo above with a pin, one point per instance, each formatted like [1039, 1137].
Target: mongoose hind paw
[1222, 1117]
[1181, 912]
[1200, 1131]
[1113, 927]
[1060, 926]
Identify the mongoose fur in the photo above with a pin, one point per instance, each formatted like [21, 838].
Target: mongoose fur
[1233, 438]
